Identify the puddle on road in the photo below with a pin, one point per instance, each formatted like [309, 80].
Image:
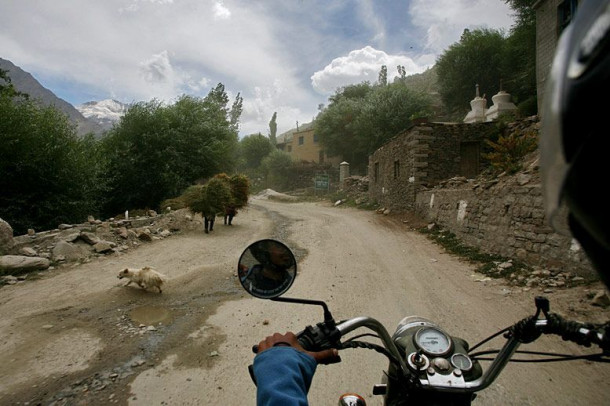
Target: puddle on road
[151, 315]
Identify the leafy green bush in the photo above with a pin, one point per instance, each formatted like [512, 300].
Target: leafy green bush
[508, 151]
[158, 150]
[48, 176]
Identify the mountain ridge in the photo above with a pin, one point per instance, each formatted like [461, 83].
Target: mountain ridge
[26, 83]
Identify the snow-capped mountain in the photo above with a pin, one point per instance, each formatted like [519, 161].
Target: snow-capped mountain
[106, 112]
[26, 83]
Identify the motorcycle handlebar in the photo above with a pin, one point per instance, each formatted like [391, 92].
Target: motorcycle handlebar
[324, 335]
[310, 339]
[303, 343]
[527, 330]
[585, 334]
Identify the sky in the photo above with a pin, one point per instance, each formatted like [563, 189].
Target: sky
[284, 56]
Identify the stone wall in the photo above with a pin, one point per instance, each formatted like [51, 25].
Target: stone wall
[419, 170]
[303, 176]
[423, 155]
[504, 216]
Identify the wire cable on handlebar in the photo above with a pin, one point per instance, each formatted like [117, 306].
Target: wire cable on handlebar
[558, 357]
[363, 335]
[363, 344]
[351, 342]
[491, 337]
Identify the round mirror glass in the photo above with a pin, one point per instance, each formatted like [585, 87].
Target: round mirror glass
[267, 269]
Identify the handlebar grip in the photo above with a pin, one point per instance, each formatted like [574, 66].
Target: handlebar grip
[255, 348]
[305, 341]
[580, 333]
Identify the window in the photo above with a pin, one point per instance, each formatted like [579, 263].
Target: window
[565, 12]
[315, 138]
[301, 140]
[396, 169]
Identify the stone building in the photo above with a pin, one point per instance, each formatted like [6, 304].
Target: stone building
[422, 156]
[303, 145]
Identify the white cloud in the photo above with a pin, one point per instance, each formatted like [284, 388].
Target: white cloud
[203, 82]
[266, 100]
[135, 5]
[157, 69]
[221, 12]
[164, 81]
[445, 20]
[358, 66]
[271, 52]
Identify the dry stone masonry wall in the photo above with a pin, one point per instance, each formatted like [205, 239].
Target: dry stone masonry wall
[421, 168]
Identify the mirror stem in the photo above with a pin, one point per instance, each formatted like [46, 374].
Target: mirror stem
[327, 316]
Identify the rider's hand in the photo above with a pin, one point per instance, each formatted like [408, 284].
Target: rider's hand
[329, 356]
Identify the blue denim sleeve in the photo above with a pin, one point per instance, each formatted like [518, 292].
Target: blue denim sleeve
[283, 376]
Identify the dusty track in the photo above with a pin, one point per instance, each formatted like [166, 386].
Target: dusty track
[74, 336]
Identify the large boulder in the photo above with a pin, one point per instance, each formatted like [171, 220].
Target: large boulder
[66, 251]
[6, 237]
[19, 263]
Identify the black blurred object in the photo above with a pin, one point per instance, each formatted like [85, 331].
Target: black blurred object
[575, 138]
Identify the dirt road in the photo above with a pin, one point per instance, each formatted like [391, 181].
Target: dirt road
[77, 336]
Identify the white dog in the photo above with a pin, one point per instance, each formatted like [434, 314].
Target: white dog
[144, 277]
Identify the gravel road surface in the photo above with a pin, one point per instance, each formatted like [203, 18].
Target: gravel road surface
[77, 336]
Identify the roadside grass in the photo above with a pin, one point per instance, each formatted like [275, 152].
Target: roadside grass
[359, 202]
[494, 266]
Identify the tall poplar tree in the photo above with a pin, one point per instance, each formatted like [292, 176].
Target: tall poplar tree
[273, 129]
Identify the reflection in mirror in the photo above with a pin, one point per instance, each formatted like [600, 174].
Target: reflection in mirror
[267, 269]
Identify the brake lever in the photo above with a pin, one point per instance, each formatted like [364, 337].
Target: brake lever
[252, 376]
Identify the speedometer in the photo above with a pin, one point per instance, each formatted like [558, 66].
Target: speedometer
[433, 341]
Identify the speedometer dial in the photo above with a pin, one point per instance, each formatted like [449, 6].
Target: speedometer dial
[433, 341]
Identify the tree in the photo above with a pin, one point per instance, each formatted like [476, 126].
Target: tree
[524, 9]
[235, 113]
[402, 73]
[388, 110]
[360, 118]
[336, 126]
[273, 129]
[49, 175]
[383, 76]
[520, 65]
[253, 149]
[352, 92]
[156, 151]
[277, 169]
[478, 58]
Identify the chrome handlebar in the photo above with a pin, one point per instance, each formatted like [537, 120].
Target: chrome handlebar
[580, 333]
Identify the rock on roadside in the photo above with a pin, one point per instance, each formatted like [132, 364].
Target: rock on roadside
[6, 237]
[20, 263]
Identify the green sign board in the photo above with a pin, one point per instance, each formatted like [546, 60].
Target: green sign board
[322, 182]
